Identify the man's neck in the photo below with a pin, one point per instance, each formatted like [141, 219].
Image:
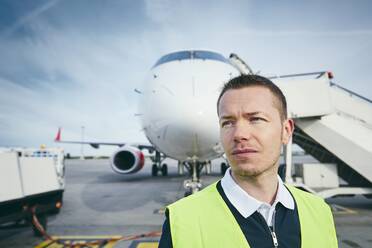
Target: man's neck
[262, 187]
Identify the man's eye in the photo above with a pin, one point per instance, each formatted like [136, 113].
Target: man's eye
[227, 124]
[257, 119]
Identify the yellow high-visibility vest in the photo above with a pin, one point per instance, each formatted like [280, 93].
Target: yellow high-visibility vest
[204, 220]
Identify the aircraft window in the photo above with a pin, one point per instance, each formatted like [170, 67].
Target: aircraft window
[191, 55]
[209, 55]
[173, 56]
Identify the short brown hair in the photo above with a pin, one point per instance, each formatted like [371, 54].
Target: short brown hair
[250, 80]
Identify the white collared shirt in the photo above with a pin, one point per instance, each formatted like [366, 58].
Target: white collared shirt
[247, 205]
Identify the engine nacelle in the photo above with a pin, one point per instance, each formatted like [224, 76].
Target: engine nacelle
[127, 160]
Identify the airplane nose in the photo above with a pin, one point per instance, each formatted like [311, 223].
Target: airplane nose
[198, 119]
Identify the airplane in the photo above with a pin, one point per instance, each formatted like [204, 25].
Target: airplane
[177, 107]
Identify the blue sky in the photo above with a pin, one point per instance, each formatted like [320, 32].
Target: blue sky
[76, 63]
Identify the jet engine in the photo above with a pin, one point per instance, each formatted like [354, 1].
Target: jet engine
[127, 160]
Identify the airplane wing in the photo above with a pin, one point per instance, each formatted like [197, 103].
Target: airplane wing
[96, 145]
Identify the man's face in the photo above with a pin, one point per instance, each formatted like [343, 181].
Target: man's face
[251, 130]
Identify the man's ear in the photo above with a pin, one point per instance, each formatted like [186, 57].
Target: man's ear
[288, 128]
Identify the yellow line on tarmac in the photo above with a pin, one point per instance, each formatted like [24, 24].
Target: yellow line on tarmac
[148, 245]
[144, 244]
[112, 240]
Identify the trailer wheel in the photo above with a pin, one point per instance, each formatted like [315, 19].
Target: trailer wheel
[42, 218]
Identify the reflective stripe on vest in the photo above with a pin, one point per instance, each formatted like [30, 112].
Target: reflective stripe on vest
[204, 220]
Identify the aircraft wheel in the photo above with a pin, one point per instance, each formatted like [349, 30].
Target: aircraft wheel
[154, 171]
[164, 169]
[224, 167]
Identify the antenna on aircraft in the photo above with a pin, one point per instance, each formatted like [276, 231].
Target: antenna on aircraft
[239, 64]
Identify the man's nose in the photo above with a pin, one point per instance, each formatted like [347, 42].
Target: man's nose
[242, 132]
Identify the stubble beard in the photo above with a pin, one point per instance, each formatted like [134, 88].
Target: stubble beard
[242, 172]
[256, 171]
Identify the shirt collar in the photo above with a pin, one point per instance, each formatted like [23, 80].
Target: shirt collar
[246, 204]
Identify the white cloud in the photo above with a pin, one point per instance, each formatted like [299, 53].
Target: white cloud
[24, 20]
[71, 74]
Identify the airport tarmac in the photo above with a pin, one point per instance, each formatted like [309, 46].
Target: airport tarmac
[99, 202]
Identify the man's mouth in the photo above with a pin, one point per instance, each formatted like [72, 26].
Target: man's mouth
[245, 151]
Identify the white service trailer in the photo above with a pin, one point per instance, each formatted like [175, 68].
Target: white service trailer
[30, 179]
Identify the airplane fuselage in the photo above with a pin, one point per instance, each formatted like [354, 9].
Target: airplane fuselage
[178, 105]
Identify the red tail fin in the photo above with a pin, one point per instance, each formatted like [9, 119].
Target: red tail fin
[58, 136]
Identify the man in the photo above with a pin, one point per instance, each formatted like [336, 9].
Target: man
[250, 206]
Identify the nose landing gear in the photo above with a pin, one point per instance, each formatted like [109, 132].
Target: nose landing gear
[194, 184]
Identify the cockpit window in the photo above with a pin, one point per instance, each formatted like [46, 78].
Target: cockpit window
[198, 54]
[209, 55]
[173, 56]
